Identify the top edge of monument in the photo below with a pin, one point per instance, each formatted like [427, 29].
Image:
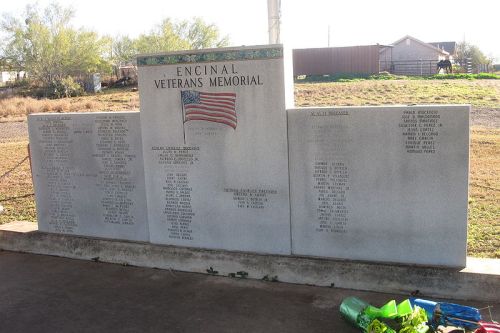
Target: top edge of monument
[51, 114]
[391, 106]
[256, 52]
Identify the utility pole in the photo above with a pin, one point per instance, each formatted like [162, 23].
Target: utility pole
[328, 35]
[274, 20]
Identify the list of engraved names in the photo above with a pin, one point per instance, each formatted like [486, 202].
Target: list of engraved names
[330, 171]
[178, 209]
[113, 152]
[55, 144]
[421, 130]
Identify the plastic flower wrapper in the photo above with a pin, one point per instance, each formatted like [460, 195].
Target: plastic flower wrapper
[389, 310]
[352, 310]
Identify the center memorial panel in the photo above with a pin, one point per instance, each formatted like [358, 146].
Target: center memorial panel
[215, 148]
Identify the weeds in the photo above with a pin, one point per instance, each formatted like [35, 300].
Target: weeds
[384, 76]
[22, 106]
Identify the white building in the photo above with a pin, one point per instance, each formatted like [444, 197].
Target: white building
[410, 56]
[11, 76]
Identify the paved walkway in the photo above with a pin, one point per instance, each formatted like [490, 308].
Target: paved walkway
[50, 294]
[13, 131]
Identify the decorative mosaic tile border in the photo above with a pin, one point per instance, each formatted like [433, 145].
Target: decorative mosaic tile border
[170, 59]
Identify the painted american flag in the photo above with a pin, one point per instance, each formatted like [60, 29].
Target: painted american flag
[214, 107]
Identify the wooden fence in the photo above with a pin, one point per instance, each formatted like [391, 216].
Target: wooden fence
[409, 67]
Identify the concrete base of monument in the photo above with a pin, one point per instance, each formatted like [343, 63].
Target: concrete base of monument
[480, 280]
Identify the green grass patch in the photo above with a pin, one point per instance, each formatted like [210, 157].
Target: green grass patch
[462, 76]
[483, 234]
[353, 77]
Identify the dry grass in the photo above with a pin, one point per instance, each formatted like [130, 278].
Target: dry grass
[479, 93]
[115, 100]
[16, 188]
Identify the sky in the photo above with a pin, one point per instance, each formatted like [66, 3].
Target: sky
[304, 23]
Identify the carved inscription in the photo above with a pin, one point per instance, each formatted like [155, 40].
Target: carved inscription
[331, 184]
[56, 154]
[420, 131]
[178, 209]
[113, 152]
[251, 198]
[85, 162]
[330, 170]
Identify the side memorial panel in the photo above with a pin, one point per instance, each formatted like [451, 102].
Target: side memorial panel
[88, 174]
[380, 183]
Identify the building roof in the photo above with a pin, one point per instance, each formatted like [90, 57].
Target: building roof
[447, 46]
[420, 42]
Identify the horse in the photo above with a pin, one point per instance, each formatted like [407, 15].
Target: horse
[446, 65]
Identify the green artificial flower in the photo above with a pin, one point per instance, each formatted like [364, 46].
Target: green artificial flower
[415, 322]
[377, 326]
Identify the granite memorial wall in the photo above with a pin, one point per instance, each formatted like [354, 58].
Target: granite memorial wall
[88, 174]
[213, 162]
[380, 183]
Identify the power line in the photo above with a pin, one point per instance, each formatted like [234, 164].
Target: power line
[18, 197]
[14, 167]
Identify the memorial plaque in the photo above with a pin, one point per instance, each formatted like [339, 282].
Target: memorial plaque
[88, 174]
[380, 183]
[215, 148]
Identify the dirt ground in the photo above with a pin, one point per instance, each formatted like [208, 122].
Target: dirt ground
[485, 117]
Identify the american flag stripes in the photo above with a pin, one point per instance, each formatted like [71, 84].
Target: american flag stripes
[485, 327]
[214, 107]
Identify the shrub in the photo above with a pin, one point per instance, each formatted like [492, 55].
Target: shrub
[66, 87]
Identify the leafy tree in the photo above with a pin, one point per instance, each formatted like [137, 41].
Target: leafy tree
[164, 37]
[468, 51]
[124, 49]
[44, 44]
[200, 35]
[169, 35]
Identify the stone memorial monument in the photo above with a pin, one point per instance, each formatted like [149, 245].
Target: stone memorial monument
[380, 183]
[215, 148]
[216, 167]
[88, 174]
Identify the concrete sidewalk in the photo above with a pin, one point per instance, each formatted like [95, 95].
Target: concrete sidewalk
[51, 294]
[479, 281]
